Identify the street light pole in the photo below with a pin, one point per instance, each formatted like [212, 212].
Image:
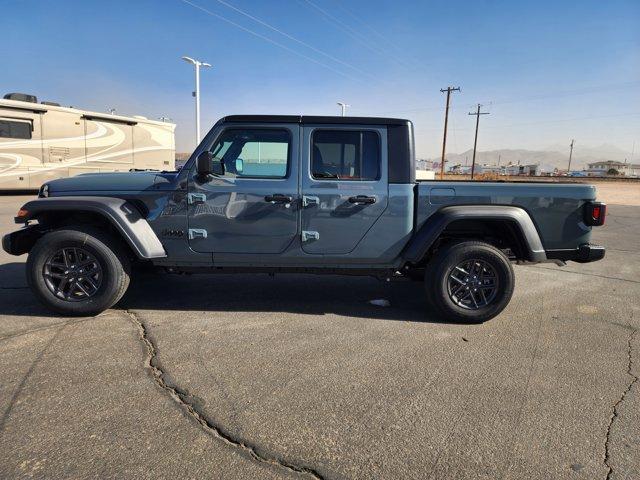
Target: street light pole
[197, 64]
[343, 107]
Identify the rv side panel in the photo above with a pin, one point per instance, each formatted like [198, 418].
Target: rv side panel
[154, 146]
[109, 145]
[20, 146]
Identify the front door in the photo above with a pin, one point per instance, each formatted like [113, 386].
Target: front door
[252, 208]
[344, 186]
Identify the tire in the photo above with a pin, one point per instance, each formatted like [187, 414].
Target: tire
[469, 298]
[69, 253]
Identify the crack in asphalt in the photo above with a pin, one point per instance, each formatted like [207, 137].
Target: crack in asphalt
[539, 267]
[182, 399]
[614, 414]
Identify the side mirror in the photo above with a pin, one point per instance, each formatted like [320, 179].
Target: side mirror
[206, 165]
[239, 165]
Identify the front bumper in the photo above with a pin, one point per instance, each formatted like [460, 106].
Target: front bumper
[21, 241]
[583, 254]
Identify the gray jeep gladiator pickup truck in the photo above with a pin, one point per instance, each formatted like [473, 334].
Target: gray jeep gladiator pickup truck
[301, 194]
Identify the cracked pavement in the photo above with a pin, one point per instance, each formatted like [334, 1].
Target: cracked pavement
[299, 377]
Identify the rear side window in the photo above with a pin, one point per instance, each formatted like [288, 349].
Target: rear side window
[345, 155]
[15, 129]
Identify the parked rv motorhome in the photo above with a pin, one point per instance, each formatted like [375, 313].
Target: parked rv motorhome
[43, 141]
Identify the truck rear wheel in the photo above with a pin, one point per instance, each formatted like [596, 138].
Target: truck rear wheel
[469, 282]
[78, 271]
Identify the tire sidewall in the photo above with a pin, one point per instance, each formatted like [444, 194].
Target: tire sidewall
[53, 242]
[453, 256]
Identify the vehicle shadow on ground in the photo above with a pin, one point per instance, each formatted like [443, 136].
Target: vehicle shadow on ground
[295, 294]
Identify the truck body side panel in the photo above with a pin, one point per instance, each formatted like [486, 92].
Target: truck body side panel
[555, 208]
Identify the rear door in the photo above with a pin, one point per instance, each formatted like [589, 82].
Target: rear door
[344, 185]
[253, 207]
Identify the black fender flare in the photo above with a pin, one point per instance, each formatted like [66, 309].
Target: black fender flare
[125, 217]
[424, 238]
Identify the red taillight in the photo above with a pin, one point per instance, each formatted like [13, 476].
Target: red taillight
[595, 213]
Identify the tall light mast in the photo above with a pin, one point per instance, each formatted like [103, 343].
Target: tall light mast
[197, 64]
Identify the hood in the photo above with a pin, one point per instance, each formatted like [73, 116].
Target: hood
[112, 182]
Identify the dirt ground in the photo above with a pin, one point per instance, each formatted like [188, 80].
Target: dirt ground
[619, 193]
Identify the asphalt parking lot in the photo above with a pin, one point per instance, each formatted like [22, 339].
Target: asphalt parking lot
[250, 376]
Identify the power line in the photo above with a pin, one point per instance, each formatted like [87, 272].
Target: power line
[583, 91]
[475, 142]
[446, 120]
[544, 122]
[267, 39]
[375, 31]
[353, 33]
[291, 37]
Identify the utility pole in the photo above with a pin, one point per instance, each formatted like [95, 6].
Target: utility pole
[570, 155]
[475, 142]
[446, 120]
[343, 108]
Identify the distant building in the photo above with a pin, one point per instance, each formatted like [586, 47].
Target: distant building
[599, 169]
[490, 169]
[527, 170]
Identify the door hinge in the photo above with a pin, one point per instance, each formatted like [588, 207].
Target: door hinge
[308, 236]
[197, 233]
[308, 200]
[193, 198]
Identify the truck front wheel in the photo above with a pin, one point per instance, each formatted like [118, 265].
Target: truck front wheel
[78, 271]
[469, 282]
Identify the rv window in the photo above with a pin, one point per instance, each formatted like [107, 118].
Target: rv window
[15, 129]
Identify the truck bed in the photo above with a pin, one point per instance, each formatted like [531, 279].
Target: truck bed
[556, 208]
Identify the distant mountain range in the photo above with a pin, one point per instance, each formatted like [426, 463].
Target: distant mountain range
[555, 156]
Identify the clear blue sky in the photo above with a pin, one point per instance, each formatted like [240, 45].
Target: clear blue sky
[548, 71]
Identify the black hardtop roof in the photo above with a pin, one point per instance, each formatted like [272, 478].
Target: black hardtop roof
[313, 119]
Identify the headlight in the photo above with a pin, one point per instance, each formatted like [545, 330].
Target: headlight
[44, 191]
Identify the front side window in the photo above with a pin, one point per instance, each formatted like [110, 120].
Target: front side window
[345, 155]
[253, 153]
[15, 129]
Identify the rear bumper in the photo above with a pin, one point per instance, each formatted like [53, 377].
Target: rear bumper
[583, 254]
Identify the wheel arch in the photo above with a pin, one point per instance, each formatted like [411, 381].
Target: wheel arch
[122, 216]
[512, 224]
